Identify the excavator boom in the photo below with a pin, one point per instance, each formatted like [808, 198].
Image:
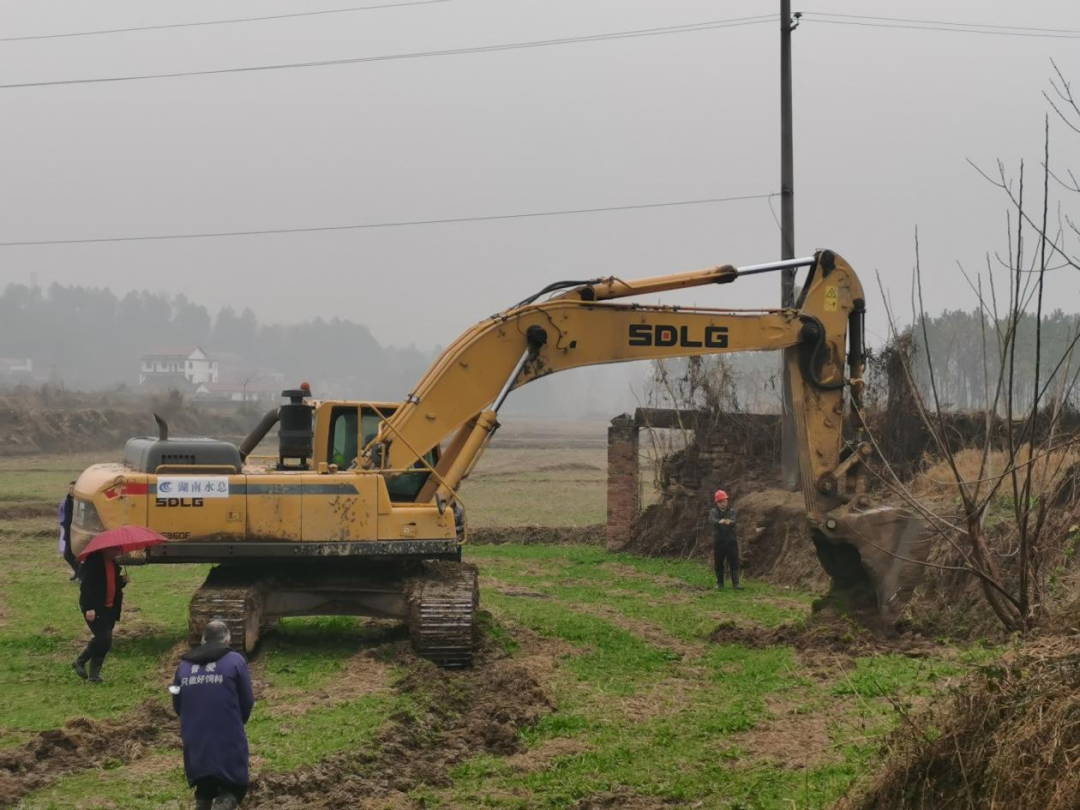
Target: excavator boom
[586, 323]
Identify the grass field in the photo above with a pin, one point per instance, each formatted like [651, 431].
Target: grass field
[629, 701]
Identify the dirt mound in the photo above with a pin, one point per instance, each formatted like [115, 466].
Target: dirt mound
[825, 635]
[591, 535]
[459, 714]
[774, 543]
[1008, 741]
[25, 430]
[81, 744]
[773, 540]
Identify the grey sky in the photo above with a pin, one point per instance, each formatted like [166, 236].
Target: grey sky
[884, 122]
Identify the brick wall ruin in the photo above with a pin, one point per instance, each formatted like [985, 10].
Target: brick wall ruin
[740, 453]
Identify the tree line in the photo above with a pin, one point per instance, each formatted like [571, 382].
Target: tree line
[965, 350]
[91, 339]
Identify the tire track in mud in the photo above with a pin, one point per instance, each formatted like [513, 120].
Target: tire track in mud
[460, 713]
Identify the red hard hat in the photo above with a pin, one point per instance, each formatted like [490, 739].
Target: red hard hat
[720, 496]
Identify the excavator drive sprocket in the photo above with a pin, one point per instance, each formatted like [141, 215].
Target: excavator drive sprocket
[236, 599]
[443, 599]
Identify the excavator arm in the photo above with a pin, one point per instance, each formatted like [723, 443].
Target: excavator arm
[862, 546]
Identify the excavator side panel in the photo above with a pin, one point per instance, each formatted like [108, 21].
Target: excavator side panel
[274, 506]
[339, 507]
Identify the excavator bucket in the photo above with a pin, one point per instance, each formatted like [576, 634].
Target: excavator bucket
[874, 554]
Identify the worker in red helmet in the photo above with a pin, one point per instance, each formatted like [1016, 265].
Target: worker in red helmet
[725, 542]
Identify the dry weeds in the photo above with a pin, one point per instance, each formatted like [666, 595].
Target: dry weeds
[1012, 739]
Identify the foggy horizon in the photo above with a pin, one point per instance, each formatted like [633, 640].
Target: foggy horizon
[886, 119]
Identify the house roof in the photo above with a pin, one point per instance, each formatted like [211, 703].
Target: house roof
[175, 351]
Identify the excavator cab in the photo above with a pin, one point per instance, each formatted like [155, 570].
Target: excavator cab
[352, 427]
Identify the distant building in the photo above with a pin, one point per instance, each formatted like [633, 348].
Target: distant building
[189, 362]
[16, 369]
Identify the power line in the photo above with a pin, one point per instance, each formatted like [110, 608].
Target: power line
[944, 22]
[868, 21]
[220, 22]
[400, 224]
[509, 46]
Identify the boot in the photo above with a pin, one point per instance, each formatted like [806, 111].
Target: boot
[95, 670]
[735, 586]
[225, 801]
[79, 664]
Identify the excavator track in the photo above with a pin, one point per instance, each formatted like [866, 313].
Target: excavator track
[442, 605]
[237, 600]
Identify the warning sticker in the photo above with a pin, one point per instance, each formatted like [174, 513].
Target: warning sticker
[830, 299]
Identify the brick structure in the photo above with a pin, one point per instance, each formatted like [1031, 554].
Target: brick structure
[623, 487]
[726, 448]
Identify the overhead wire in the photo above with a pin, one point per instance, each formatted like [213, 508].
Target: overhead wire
[871, 21]
[230, 21]
[394, 224]
[507, 46]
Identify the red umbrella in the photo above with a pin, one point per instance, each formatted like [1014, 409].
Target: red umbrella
[124, 539]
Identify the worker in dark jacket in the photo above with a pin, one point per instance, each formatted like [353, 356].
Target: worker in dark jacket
[212, 695]
[66, 513]
[101, 595]
[722, 519]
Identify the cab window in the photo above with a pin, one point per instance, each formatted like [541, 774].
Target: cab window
[405, 487]
[343, 437]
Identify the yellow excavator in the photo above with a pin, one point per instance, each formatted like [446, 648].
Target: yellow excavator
[360, 512]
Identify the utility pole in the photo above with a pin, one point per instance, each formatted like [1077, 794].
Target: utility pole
[788, 442]
[787, 160]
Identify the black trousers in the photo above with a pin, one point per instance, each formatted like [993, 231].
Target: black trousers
[726, 551]
[101, 643]
[209, 786]
[70, 558]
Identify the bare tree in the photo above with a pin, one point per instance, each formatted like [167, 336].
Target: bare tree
[1025, 448]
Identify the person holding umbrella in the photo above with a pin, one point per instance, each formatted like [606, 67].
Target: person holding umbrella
[101, 595]
[101, 592]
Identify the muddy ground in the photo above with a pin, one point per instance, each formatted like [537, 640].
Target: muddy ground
[458, 714]
[81, 744]
[461, 714]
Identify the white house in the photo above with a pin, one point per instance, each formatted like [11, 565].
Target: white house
[16, 369]
[191, 361]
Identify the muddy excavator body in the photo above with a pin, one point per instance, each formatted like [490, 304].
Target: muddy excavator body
[360, 511]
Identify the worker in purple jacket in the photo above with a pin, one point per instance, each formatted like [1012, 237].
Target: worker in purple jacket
[212, 695]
